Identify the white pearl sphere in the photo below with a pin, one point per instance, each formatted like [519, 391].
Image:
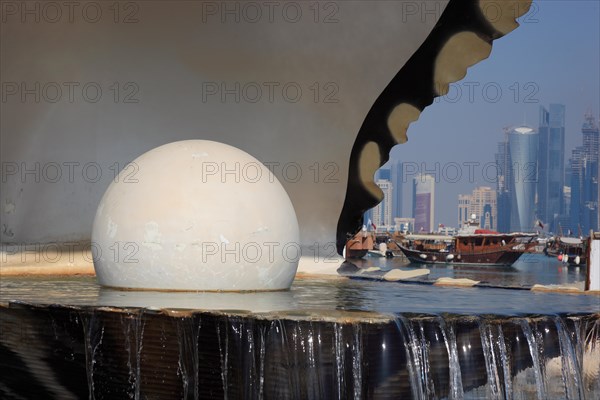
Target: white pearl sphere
[196, 215]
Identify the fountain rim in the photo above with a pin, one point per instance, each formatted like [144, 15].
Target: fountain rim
[346, 317]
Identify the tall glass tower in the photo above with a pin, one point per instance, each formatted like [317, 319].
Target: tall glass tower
[424, 202]
[551, 164]
[503, 184]
[523, 144]
[584, 179]
[397, 181]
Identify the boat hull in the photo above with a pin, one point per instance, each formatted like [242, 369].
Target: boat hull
[571, 261]
[572, 252]
[356, 253]
[499, 257]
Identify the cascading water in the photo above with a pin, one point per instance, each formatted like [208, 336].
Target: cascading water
[135, 353]
[189, 333]
[456, 389]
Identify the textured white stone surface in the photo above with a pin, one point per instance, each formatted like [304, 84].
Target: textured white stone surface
[199, 215]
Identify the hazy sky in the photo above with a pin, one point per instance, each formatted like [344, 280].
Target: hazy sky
[553, 57]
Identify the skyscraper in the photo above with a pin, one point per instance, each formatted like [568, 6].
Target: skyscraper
[484, 206]
[584, 178]
[503, 185]
[392, 174]
[424, 202]
[483, 203]
[523, 147]
[464, 203]
[382, 212]
[590, 137]
[576, 176]
[369, 215]
[591, 147]
[551, 168]
[397, 181]
[383, 174]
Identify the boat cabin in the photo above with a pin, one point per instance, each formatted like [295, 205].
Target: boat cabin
[477, 243]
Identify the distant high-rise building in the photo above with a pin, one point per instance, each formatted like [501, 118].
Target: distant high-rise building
[382, 212]
[590, 138]
[551, 168]
[369, 216]
[564, 225]
[567, 196]
[396, 176]
[575, 182]
[584, 179]
[503, 185]
[464, 203]
[424, 202]
[523, 144]
[483, 204]
[383, 174]
[392, 174]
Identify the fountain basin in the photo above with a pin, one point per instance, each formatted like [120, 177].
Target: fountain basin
[70, 338]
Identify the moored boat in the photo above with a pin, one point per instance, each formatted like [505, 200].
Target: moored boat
[359, 245]
[568, 250]
[481, 248]
[472, 245]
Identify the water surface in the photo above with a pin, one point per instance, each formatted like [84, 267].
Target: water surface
[530, 269]
[307, 294]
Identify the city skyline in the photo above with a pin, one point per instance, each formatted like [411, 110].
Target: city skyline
[583, 174]
[463, 128]
[528, 169]
[534, 186]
